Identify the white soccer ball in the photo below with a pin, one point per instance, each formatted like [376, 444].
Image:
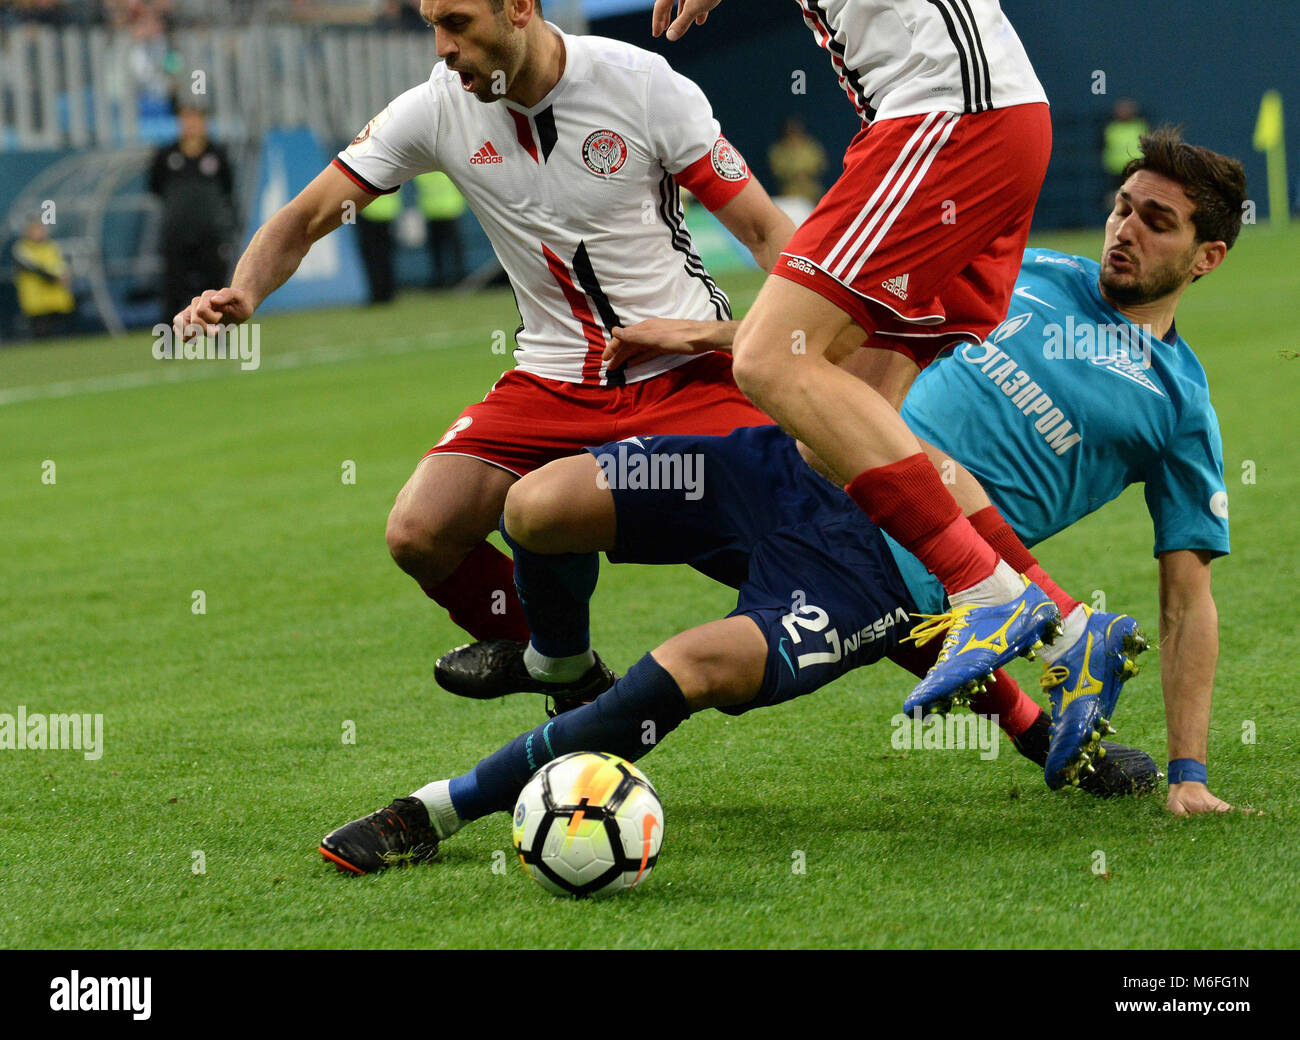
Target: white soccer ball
[588, 824]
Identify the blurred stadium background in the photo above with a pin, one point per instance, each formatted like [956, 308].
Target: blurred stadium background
[89, 88]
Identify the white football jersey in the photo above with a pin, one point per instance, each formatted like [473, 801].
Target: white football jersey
[904, 57]
[578, 195]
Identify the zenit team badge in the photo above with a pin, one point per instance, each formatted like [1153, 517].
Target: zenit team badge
[604, 152]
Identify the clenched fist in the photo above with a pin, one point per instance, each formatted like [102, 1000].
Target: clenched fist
[215, 307]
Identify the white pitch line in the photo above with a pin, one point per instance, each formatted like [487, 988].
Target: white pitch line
[171, 372]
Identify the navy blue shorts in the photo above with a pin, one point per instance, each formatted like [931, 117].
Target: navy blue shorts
[812, 571]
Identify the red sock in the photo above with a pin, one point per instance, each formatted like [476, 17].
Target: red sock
[993, 528]
[1059, 596]
[1003, 697]
[480, 596]
[908, 500]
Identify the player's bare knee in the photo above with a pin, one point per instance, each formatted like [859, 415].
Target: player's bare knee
[423, 547]
[708, 677]
[759, 370]
[532, 512]
[406, 536]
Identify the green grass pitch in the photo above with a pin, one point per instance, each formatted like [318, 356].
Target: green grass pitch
[223, 743]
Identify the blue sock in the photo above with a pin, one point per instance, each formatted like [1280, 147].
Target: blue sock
[555, 591]
[628, 719]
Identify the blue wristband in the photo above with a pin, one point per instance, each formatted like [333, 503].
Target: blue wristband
[1182, 769]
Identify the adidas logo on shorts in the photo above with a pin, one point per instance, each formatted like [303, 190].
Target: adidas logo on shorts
[486, 156]
[897, 286]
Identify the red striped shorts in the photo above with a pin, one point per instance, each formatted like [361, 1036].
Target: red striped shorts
[920, 239]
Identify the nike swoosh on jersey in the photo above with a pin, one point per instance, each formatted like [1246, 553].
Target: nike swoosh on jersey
[780, 647]
[1022, 291]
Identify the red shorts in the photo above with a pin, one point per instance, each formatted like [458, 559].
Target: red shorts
[920, 240]
[526, 421]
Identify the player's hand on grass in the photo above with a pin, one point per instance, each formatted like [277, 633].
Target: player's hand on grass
[655, 336]
[1190, 797]
[688, 11]
[215, 307]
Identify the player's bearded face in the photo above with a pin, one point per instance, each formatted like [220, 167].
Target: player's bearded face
[482, 47]
[1150, 246]
[1133, 280]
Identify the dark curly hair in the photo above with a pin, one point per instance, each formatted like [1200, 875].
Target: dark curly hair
[1216, 184]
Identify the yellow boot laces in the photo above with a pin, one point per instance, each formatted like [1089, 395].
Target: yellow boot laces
[934, 625]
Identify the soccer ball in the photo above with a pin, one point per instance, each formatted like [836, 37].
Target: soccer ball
[588, 824]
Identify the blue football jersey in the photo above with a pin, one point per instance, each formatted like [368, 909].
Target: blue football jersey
[1067, 403]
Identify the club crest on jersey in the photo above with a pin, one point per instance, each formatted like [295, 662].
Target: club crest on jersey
[604, 152]
[727, 162]
[361, 143]
[1010, 327]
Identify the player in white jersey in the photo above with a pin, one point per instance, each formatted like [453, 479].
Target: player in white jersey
[574, 174]
[914, 249]
[896, 58]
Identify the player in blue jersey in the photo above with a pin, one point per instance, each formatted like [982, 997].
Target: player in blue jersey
[820, 594]
[1088, 386]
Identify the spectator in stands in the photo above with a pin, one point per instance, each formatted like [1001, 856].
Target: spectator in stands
[194, 180]
[442, 205]
[376, 228]
[43, 281]
[797, 161]
[1120, 141]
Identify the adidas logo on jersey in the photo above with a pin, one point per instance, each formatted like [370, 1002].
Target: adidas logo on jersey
[897, 286]
[486, 156]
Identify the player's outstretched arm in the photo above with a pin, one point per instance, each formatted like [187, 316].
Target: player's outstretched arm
[1189, 651]
[276, 251]
[761, 226]
[688, 12]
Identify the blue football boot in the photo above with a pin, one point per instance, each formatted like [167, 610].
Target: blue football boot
[979, 640]
[1084, 686]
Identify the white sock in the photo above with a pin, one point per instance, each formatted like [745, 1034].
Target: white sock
[442, 814]
[557, 669]
[1002, 586]
[1075, 625]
